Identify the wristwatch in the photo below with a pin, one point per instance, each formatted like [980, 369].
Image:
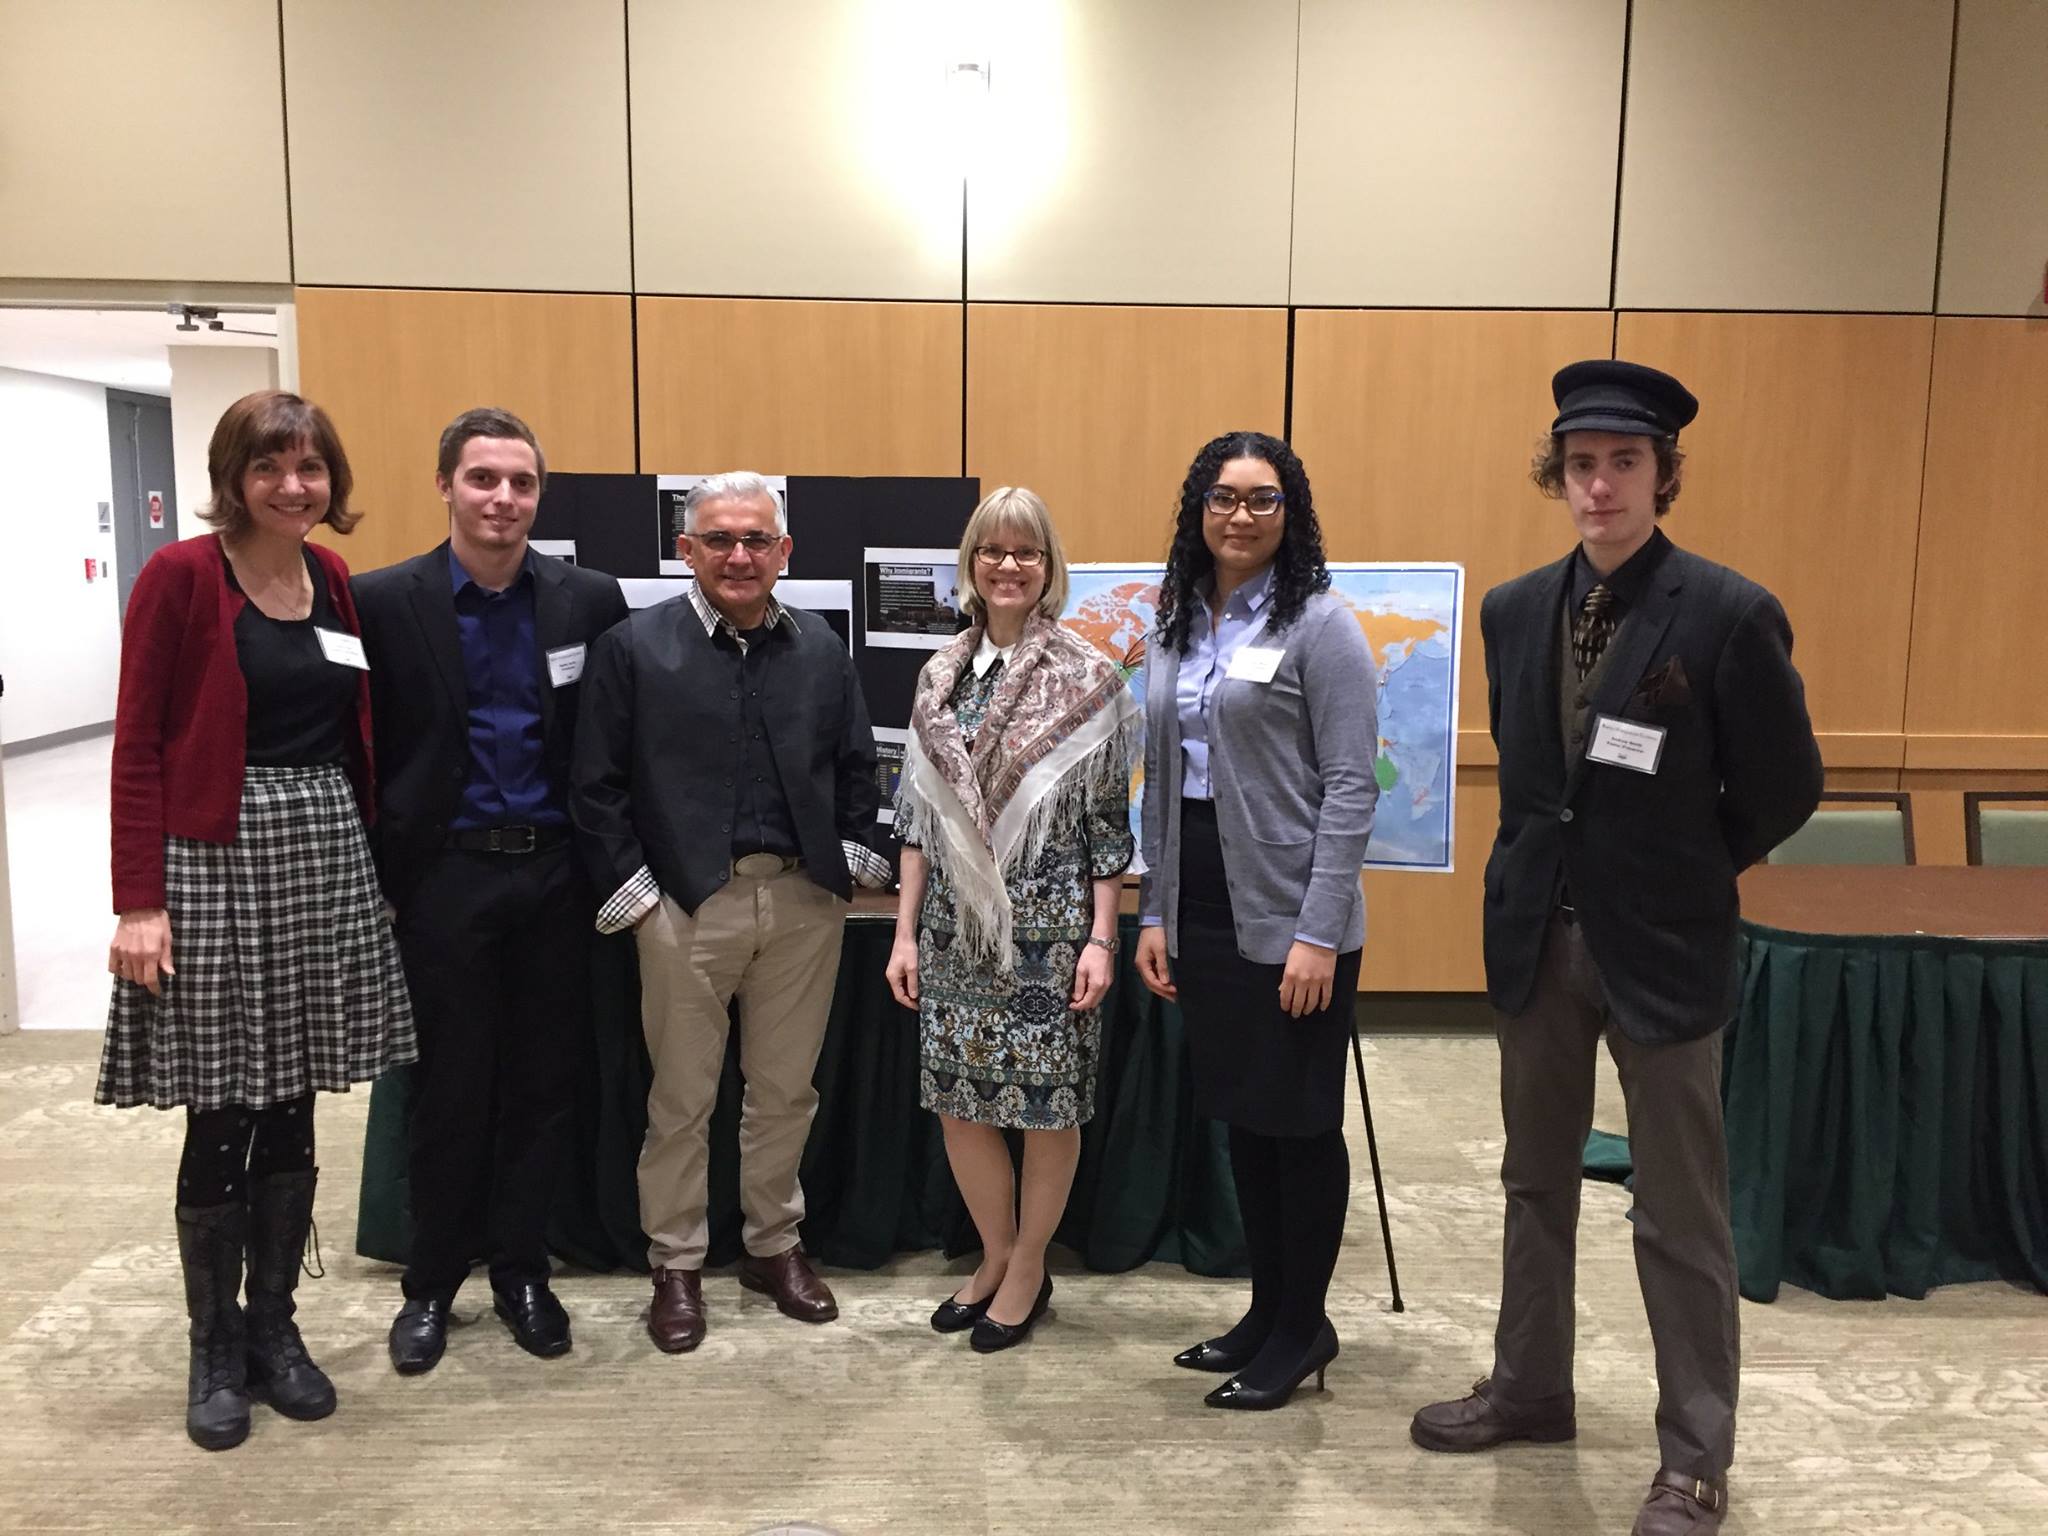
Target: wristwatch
[1108, 944]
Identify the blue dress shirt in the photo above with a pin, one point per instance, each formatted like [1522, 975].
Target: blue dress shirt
[508, 782]
[1202, 669]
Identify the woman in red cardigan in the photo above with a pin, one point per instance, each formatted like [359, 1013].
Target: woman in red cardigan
[252, 958]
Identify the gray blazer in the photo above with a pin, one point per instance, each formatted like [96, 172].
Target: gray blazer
[1291, 772]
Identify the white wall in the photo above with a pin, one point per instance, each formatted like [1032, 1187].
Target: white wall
[60, 635]
[205, 381]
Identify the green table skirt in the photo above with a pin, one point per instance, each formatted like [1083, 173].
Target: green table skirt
[1887, 1113]
[1153, 1183]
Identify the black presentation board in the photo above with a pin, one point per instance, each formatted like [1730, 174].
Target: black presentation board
[832, 519]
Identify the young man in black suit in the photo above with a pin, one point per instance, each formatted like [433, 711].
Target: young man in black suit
[1654, 743]
[476, 650]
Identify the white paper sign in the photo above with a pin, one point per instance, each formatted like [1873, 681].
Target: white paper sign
[343, 650]
[565, 664]
[1255, 664]
[1626, 744]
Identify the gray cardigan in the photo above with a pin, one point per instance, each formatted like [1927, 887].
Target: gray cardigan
[1291, 771]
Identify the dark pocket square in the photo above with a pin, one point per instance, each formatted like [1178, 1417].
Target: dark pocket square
[1665, 688]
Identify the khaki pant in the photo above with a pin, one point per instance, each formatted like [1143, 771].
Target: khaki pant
[774, 944]
[1685, 1248]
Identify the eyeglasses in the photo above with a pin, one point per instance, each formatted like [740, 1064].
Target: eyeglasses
[1222, 501]
[721, 543]
[1027, 559]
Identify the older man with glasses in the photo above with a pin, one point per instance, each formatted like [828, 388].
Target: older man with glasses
[723, 789]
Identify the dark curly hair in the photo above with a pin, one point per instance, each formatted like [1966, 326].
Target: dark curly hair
[1546, 468]
[1299, 571]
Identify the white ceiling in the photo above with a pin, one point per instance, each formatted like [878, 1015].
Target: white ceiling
[121, 347]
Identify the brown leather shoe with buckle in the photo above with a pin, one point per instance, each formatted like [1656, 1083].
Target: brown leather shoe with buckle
[789, 1278]
[676, 1320]
[1680, 1506]
[1478, 1423]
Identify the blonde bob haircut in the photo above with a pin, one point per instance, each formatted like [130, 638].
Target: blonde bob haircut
[1013, 510]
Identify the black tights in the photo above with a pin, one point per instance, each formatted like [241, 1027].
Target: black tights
[227, 1147]
[1292, 1194]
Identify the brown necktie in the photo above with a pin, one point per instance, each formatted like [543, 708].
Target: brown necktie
[1594, 629]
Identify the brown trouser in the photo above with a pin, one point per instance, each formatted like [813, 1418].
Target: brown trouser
[1685, 1249]
[774, 944]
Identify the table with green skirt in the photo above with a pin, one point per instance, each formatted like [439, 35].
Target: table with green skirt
[1886, 1080]
[1153, 1182]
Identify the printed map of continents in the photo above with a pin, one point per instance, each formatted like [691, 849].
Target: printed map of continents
[1409, 614]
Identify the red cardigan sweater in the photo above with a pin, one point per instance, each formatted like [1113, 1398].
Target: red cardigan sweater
[182, 724]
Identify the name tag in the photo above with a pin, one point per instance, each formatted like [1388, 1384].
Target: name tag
[565, 664]
[1626, 744]
[1255, 664]
[342, 649]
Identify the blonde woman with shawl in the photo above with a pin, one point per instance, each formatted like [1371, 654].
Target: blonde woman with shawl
[1014, 812]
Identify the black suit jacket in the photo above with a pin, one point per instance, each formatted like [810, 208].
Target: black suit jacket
[652, 781]
[1650, 860]
[419, 698]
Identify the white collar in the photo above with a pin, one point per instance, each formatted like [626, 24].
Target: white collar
[989, 654]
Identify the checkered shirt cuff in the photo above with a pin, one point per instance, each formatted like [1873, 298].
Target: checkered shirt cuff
[867, 867]
[630, 902]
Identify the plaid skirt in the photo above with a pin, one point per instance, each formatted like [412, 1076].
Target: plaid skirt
[288, 977]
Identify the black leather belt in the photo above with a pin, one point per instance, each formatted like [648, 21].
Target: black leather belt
[506, 839]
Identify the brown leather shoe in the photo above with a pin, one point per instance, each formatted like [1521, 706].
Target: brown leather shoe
[676, 1320]
[1478, 1423]
[789, 1278]
[1680, 1506]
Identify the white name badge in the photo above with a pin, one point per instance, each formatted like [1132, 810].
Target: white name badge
[565, 664]
[1626, 744]
[1255, 664]
[343, 650]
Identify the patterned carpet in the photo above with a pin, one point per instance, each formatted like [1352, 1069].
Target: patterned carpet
[1886, 1419]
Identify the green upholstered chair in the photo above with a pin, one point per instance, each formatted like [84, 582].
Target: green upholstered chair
[2012, 832]
[1879, 830]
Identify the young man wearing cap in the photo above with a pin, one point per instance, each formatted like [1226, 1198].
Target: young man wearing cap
[1654, 743]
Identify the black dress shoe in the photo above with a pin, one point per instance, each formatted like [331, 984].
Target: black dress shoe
[958, 1316]
[1235, 1393]
[990, 1335]
[536, 1319]
[1205, 1356]
[418, 1334]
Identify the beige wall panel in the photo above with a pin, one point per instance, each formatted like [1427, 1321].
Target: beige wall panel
[799, 388]
[394, 367]
[1100, 408]
[1417, 428]
[1422, 932]
[1136, 152]
[459, 144]
[800, 148]
[1438, 160]
[1980, 651]
[142, 141]
[1783, 156]
[1994, 238]
[1804, 474]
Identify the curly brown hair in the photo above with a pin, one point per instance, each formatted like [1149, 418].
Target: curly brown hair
[262, 423]
[1546, 468]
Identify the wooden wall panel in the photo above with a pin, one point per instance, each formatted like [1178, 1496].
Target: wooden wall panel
[799, 387]
[1803, 473]
[1976, 696]
[1429, 141]
[1099, 409]
[1417, 429]
[1994, 232]
[142, 141]
[394, 367]
[1782, 156]
[1422, 932]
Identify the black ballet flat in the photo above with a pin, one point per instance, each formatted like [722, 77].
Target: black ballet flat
[958, 1316]
[990, 1335]
[1234, 1393]
[1205, 1356]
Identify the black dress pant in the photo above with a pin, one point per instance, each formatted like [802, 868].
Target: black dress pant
[496, 949]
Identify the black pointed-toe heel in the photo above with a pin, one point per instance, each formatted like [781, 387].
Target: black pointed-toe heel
[1234, 1393]
[1205, 1356]
[990, 1335]
[955, 1316]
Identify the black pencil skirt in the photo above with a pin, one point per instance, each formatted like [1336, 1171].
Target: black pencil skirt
[1254, 1066]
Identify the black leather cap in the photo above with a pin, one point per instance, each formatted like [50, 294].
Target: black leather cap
[1601, 395]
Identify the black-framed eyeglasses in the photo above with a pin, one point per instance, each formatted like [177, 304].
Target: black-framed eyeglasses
[721, 542]
[1222, 501]
[1027, 559]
